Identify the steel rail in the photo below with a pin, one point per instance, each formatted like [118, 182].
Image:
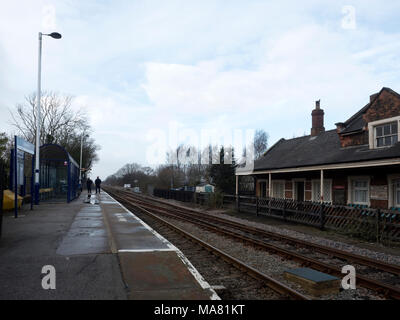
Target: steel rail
[267, 280]
[355, 258]
[382, 288]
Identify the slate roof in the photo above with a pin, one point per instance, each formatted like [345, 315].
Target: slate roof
[356, 121]
[322, 149]
[325, 148]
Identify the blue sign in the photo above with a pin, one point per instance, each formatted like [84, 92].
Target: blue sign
[25, 146]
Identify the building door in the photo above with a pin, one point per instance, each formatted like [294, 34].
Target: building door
[263, 189]
[299, 189]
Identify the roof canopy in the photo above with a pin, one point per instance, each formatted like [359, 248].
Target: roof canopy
[56, 152]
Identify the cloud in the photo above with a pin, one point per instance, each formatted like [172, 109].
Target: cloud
[139, 66]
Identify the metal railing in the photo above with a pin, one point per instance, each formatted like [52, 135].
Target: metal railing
[2, 187]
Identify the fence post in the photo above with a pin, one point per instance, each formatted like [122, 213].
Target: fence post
[284, 210]
[377, 218]
[256, 206]
[322, 217]
[269, 205]
[238, 202]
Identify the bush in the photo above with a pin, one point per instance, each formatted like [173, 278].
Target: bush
[215, 200]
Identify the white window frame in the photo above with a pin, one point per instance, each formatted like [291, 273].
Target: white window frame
[350, 190]
[372, 130]
[313, 191]
[391, 202]
[281, 182]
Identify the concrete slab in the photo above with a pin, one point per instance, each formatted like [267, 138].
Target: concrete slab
[76, 239]
[311, 274]
[160, 275]
[31, 242]
[128, 231]
[314, 282]
[87, 234]
[152, 267]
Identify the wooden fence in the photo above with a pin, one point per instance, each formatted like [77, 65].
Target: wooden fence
[184, 196]
[371, 224]
[201, 198]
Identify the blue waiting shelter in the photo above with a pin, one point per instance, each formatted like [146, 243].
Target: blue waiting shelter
[59, 174]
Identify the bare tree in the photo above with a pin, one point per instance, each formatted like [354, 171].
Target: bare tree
[58, 120]
[260, 143]
[59, 124]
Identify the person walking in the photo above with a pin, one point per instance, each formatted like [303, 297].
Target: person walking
[89, 183]
[98, 184]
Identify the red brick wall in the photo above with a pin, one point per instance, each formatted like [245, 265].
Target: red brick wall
[355, 139]
[382, 204]
[379, 180]
[386, 106]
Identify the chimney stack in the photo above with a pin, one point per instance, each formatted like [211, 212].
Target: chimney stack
[372, 96]
[317, 120]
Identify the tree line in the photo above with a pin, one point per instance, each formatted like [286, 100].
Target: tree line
[188, 166]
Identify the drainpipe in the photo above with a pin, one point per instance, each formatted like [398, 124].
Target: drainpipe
[322, 186]
[237, 192]
[269, 185]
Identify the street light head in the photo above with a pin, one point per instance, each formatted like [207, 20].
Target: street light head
[55, 35]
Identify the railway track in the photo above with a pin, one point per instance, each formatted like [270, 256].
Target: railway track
[269, 241]
[340, 254]
[232, 278]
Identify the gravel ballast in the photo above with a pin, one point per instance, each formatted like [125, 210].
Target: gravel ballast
[269, 264]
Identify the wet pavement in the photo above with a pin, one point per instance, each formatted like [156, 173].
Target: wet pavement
[87, 233]
[35, 240]
[99, 250]
[151, 266]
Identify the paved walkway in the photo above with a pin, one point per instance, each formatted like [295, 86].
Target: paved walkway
[99, 250]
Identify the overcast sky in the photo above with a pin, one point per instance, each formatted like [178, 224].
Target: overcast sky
[140, 68]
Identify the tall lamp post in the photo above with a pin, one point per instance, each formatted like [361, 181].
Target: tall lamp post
[54, 35]
[80, 162]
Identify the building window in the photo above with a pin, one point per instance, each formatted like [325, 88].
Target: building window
[386, 134]
[278, 189]
[316, 190]
[396, 192]
[360, 191]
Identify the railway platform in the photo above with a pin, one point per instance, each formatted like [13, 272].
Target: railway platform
[99, 250]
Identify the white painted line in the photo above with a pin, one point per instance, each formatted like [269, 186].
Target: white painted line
[144, 250]
[196, 274]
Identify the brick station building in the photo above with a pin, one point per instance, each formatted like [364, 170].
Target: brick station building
[358, 163]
